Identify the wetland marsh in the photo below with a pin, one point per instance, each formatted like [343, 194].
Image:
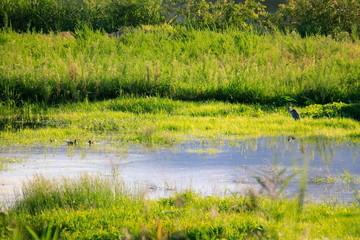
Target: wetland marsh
[185, 138]
[156, 160]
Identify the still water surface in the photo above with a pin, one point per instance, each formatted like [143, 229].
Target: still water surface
[219, 168]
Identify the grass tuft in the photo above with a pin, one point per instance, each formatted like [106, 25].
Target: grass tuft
[93, 215]
[41, 194]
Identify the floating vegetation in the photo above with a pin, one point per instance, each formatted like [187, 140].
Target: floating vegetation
[210, 151]
[5, 161]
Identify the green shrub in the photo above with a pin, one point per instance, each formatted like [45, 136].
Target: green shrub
[134, 12]
[110, 15]
[67, 15]
[333, 110]
[319, 16]
[218, 14]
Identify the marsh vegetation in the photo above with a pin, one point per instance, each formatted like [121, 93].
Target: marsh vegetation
[214, 74]
[91, 208]
[179, 63]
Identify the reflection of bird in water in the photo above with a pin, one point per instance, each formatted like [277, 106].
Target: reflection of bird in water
[302, 148]
[71, 142]
[291, 138]
[294, 113]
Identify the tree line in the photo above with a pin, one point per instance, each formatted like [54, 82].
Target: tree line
[305, 17]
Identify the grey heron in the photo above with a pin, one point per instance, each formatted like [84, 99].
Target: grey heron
[294, 113]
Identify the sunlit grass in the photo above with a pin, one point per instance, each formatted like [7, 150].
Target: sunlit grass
[164, 121]
[41, 74]
[178, 63]
[91, 207]
[164, 128]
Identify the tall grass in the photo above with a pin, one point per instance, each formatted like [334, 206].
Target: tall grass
[178, 63]
[183, 216]
[41, 194]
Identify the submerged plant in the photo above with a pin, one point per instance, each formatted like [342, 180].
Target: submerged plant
[273, 181]
[352, 183]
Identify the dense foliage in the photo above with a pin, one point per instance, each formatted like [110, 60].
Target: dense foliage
[320, 16]
[218, 14]
[66, 15]
[307, 17]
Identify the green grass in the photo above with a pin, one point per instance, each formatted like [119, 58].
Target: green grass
[157, 121]
[178, 63]
[92, 208]
[163, 85]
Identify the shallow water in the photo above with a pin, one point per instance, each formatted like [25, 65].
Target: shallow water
[219, 168]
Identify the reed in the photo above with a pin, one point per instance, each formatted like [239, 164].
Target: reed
[178, 63]
[90, 214]
[41, 194]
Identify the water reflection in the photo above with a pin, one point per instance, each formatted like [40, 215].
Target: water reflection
[206, 167]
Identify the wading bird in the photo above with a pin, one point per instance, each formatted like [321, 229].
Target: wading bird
[294, 113]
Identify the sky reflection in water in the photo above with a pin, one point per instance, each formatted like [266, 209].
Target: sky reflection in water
[208, 168]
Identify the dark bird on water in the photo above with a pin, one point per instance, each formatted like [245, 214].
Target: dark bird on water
[291, 138]
[294, 113]
[90, 142]
[71, 142]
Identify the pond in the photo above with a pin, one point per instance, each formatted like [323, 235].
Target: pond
[209, 168]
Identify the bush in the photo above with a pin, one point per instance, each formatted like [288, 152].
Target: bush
[319, 16]
[333, 110]
[67, 15]
[134, 12]
[110, 15]
[218, 14]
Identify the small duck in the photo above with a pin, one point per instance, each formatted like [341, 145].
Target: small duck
[71, 142]
[291, 138]
[91, 142]
[53, 140]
